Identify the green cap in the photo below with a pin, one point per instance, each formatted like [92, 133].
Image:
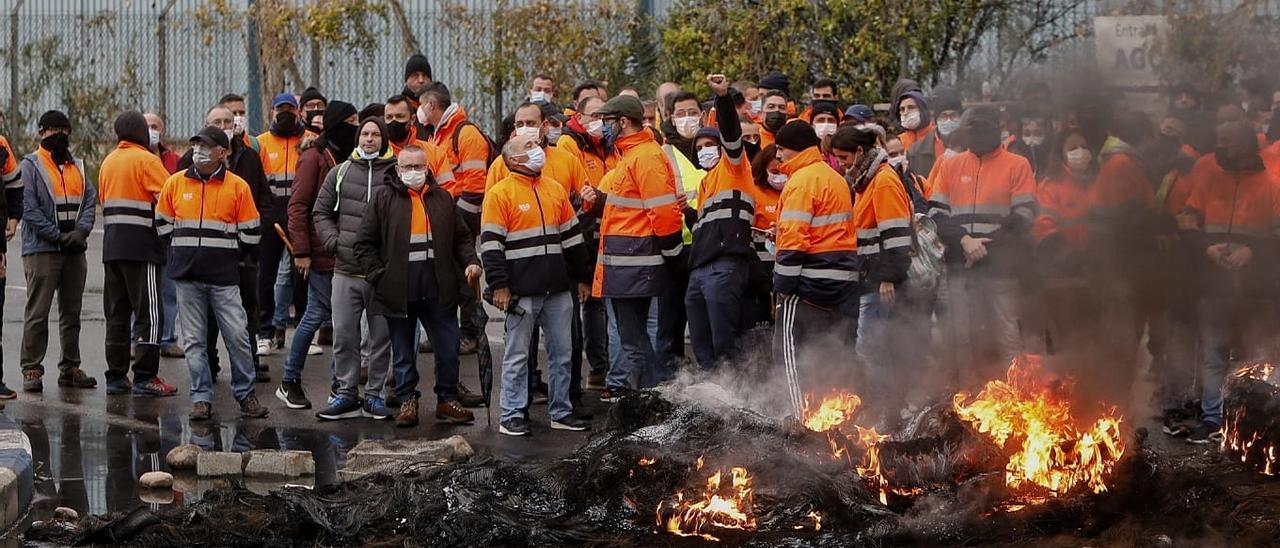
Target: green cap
[623, 105]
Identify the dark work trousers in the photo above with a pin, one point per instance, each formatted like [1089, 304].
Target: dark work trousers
[799, 322]
[595, 335]
[671, 324]
[714, 305]
[249, 299]
[131, 289]
[467, 306]
[269, 252]
[48, 274]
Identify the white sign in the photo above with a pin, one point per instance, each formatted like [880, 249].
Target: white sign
[1128, 48]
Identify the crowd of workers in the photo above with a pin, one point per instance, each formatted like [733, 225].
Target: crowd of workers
[610, 225]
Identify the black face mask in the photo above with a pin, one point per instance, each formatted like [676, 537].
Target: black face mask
[286, 123]
[774, 121]
[983, 140]
[312, 116]
[1235, 162]
[57, 145]
[398, 131]
[342, 139]
[752, 149]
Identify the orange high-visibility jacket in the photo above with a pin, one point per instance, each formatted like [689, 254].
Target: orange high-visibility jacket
[561, 166]
[1237, 208]
[212, 222]
[595, 165]
[640, 226]
[129, 182]
[530, 241]
[767, 208]
[469, 163]
[882, 217]
[1063, 202]
[989, 196]
[437, 161]
[280, 163]
[817, 246]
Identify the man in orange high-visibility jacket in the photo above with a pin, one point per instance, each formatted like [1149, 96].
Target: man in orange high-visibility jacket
[209, 216]
[639, 237]
[11, 181]
[815, 274]
[983, 201]
[1236, 207]
[129, 182]
[279, 152]
[468, 151]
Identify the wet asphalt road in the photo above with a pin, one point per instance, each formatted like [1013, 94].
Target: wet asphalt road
[90, 449]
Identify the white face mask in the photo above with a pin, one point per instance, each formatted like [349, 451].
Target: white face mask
[239, 125]
[539, 97]
[911, 120]
[201, 156]
[536, 160]
[414, 179]
[1033, 140]
[824, 130]
[898, 162]
[528, 131]
[708, 157]
[756, 106]
[595, 128]
[366, 155]
[422, 114]
[946, 127]
[1079, 159]
[231, 135]
[553, 135]
[949, 153]
[687, 127]
[154, 137]
[777, 180]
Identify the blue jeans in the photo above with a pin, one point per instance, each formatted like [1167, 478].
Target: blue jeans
[442, 329]
[876, 349]
[319, 294]
[554, 314]
[614, 344]
[1224, 320]
[714, 306]
[637, 358]
[169, 299]
[194, 299]
[283, 291]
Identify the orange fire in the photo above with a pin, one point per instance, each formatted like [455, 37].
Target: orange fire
[834, 411]
[1029, 414]
[721, 506]
[831, 415]
[1239, 436]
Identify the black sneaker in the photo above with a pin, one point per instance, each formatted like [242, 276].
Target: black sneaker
[514, 427]
[293, 396]
[538, 394]
[343, 407]
[610, 395]
[201, 411]
[1207, 432]
[249, 407]
[7, 393]
[571, 422]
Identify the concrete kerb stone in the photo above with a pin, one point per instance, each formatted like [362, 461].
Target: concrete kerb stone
[16, 466]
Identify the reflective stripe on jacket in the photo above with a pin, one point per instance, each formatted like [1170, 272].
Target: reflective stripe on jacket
[817, 248]
[211, 222]
[129, 182]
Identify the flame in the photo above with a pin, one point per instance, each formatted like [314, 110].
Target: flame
[870, 467]
[817, 520]
[1027, 413]
[835, 410]
[647, 461]
[727, 507]
[1248, 437]
[1258, 371]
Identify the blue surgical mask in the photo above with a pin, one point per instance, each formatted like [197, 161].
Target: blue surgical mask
[945, 127]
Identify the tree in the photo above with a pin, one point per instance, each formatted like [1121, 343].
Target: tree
[1215, 50]
[865, 45]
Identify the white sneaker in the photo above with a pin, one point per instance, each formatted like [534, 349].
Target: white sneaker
[265, 347]
[314, 350]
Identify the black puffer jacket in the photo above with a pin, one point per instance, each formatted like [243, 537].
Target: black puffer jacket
[340, 205]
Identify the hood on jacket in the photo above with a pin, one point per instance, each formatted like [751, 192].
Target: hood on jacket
[385, 150]
[900, 87]
[925, 118]
[131, 126]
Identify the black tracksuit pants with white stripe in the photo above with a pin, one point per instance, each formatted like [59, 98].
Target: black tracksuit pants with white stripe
[131, 289]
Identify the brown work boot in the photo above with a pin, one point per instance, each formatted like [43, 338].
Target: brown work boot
[453, 412]
[32, 381]
[76, 378]
[408, 415]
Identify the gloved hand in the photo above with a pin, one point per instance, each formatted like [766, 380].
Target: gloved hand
[74, 241]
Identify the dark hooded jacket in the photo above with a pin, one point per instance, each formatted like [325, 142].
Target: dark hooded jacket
[382, 246]
[314, 165]
[341, 201]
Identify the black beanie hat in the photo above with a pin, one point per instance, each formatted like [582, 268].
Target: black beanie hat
[945, 98]
[310, 94]
[417, 63]
[336, 112]
[54, 119]
[797, 135]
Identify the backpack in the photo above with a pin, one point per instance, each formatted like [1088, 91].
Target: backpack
[926, 246]
[493, 148]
